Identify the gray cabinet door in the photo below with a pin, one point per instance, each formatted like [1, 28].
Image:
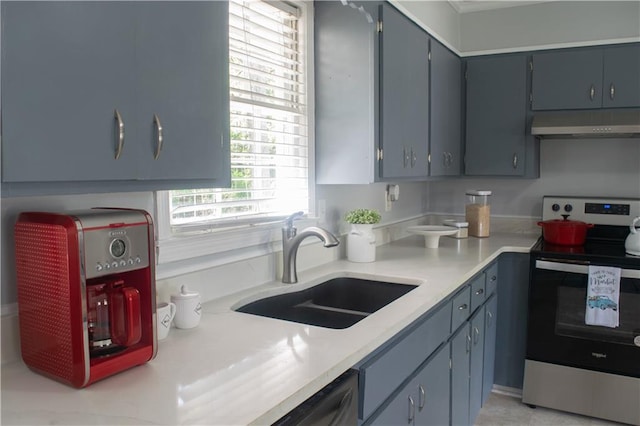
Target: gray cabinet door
[477, 363]
[460, 368]
[182, 79]
[490, 328]
[446, 112]
[567, 79]
[496, 115]
[66, 68]
[621, 84]
[404, 95]
[433, 392]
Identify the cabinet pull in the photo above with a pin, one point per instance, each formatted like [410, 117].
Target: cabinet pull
[612, 91]
[405, 156]
[479, 292]
[450, 159]
[592, 92]
[476, 336]
[412, 410]
[423, 400]
[468, 343]
[489, 319]
[462, 307]
[515, 160]
[119, 132]
[493, 278]
[444, 159]
[414, 158]
[159, 136]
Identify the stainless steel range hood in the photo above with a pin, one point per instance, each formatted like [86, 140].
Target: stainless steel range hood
[586, 124]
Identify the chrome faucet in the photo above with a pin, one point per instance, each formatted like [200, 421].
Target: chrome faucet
[291, 241]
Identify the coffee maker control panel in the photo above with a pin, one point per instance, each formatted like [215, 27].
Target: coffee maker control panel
[112, 250]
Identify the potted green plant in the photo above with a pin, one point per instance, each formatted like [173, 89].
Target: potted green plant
[361, 241]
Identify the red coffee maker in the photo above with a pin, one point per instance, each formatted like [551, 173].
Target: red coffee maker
[86, 292]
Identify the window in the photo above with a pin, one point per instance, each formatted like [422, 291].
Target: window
[271, 74]
[269, 124]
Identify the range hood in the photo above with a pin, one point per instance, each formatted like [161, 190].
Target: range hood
[587, 124]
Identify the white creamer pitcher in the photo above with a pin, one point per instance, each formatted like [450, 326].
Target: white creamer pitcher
[632, 243]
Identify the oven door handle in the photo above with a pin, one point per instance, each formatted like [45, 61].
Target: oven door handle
[581, 269]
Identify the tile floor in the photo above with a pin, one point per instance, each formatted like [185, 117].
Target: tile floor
[505, 410]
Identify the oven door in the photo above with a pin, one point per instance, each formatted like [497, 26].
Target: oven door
[557, 332]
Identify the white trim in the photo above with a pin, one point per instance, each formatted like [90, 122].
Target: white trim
[590, 43]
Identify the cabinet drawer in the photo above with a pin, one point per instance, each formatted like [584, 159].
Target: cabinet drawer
[460, 309]
[491, 284]
[478, 292]
[381, 376]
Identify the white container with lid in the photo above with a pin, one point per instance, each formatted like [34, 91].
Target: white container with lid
[188, 308]
[477, 212]
[463, 228]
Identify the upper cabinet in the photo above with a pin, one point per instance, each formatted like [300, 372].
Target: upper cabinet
[372, 94]
[114, 96]
[446, 112]
[497, 140]
[588, 78]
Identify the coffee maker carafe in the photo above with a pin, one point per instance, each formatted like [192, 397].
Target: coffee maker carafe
[86, 292]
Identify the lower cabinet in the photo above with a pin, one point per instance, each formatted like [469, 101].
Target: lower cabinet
[425, 399]
[456, 343]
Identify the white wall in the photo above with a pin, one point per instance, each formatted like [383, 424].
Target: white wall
[552, 24]
[437, 17]
[590, 167]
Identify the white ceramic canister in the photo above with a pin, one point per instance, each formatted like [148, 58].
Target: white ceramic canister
[165, 312]
[188, 308]
[361, 243]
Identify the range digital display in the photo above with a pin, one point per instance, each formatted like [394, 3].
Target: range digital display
[606, 208]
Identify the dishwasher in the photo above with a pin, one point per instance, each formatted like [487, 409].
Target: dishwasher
[335, 404]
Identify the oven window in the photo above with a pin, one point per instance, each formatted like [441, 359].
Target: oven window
[571, 309]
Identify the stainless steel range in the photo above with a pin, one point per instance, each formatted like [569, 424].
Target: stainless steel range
[583, 348]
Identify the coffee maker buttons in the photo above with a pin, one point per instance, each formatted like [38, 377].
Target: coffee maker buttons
[123, 263]
[107, 266]
[130, 262]
[138, 260]
[114, 264]
[99, 267]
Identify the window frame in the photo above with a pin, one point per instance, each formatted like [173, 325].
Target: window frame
[209, 246]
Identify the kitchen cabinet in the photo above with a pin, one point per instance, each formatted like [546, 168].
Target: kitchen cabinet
[425, 399]
[497, 142]
[440, 371]
[587, 78]
[372, 94]
[114, 96]
[445, 146]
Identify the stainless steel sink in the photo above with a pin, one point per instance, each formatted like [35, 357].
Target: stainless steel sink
[337, 303]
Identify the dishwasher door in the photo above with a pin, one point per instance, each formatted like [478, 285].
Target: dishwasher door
[335, 404]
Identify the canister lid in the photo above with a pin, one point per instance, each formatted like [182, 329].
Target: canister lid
[478, 192]
[455, 223]
[185, 294]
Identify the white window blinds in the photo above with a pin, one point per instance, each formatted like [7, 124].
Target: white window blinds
[269, 148]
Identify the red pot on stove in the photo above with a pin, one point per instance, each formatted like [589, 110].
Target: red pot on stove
[565, 232]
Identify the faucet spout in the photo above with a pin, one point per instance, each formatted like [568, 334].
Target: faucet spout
[290, 243]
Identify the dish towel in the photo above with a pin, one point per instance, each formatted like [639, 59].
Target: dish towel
[603, 293]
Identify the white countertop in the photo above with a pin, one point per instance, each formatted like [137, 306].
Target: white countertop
[236, 368]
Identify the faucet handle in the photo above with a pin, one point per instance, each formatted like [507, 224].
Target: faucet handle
[289, 220]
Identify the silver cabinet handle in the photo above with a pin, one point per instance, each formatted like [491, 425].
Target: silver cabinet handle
[592, 92]
[489, 319]
[493, 278]
[412, 411]
[119, 133]
[450, 159]
[479, 292]
[468, 343]
[515, 160]
[405, 156]
[159, 136]
[413, 158]
[423, 400]
[476, 336]
[444, 159]
[612, 91]
[462, 307]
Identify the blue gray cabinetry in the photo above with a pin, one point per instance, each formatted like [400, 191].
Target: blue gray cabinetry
[440, 370]
[445, 145]
[86, 82]
[497, 142]
[587, 78]
[372, 94]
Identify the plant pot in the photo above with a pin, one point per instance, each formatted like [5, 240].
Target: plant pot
[361, 243]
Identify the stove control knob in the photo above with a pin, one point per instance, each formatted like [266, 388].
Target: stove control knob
[555, 207]
[568, 208]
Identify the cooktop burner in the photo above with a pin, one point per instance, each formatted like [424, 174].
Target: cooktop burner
[605, 241]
